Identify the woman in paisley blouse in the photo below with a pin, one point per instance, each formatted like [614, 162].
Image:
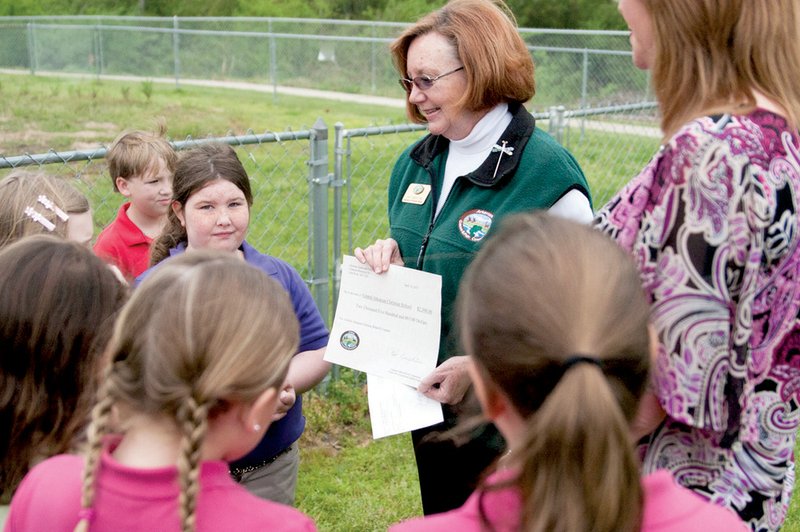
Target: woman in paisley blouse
[712, 222]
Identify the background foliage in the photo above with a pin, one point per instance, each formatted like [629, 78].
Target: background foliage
[588, 14]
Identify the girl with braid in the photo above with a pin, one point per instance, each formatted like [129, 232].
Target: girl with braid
[196, 363]
[555, 323]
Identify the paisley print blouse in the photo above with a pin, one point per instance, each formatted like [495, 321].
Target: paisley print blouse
[712, 223]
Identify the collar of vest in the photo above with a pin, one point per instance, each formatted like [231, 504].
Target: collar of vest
[516, 135]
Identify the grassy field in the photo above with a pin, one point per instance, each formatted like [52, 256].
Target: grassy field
[347, 480]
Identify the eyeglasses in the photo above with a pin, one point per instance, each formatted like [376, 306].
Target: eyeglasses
[424, 83]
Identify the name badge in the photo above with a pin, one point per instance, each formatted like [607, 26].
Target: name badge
[416, 193]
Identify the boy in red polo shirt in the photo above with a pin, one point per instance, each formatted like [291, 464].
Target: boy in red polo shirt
[141, 165]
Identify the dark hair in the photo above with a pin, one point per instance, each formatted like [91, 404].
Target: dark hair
[485, 38]
[196, 169]
[541, 291]
[57, 305]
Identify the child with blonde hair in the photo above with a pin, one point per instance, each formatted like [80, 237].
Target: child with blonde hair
[197, 360]
[34, 203]
[555, 323]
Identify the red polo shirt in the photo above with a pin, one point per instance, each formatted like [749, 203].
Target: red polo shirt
[123, 244]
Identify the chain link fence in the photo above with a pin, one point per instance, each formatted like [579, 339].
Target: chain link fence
[310, 214]
[277, 164]
[575, 68]
[322, 191]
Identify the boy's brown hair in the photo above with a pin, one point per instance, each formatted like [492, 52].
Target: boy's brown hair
[133, 152]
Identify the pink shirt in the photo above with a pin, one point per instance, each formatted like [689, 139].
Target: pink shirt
[667, 508]
[123, 244]
[141, 500]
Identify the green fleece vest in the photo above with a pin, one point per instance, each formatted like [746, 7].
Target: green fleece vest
[535, 174]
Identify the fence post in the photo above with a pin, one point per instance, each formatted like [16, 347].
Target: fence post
[557, 122]
[32, 47]
[373, 62]
[339, 180]
[319, 178]
[584, 87]
[176, 56]
[97, 53]
[273, 76]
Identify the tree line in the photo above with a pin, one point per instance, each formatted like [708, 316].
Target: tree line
[573, 14]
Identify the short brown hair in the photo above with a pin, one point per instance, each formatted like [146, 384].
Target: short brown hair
[710, 55]
[484, 35]
[133, 153]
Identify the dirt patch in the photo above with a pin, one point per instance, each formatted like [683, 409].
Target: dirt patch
[93, 135]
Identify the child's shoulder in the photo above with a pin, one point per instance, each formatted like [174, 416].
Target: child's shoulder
[61, 464]
[49, 492]
[228, 505]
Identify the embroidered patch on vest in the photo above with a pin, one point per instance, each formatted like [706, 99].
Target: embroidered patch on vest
[474, 224]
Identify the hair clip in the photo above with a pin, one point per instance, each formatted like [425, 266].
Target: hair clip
[49, 205]
[38, 217]
[503, 150]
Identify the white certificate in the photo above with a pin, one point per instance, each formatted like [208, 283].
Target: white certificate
[387, 324]
[396, 408]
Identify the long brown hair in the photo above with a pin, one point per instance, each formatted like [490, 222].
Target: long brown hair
[203, 330]
[484, 35]
[197, 168]
[541, 291]
[57, 306]
[710, 55]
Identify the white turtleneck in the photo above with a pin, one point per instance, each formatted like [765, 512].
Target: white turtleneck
[467, 154]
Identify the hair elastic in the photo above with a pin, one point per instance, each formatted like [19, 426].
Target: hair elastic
[36, 216]
[49, 205]
[86, 514]
[579, 359]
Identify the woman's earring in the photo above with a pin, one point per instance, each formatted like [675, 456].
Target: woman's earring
[256, 428]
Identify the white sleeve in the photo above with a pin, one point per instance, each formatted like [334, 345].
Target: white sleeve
[574, 206]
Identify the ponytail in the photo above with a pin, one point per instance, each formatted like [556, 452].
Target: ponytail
[172, 235]
[579, 471]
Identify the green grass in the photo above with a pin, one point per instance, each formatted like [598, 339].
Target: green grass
[347, 481]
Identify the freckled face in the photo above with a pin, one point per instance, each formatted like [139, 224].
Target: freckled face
[641, 26]
[431, 55]
[215, 217]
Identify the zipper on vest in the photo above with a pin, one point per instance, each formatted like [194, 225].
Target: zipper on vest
[434, 199]
[423, 246]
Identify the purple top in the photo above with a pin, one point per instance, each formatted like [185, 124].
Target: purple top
[712, 225]
[313, 335]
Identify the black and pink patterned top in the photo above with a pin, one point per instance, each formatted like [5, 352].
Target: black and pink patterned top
[712, 223]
